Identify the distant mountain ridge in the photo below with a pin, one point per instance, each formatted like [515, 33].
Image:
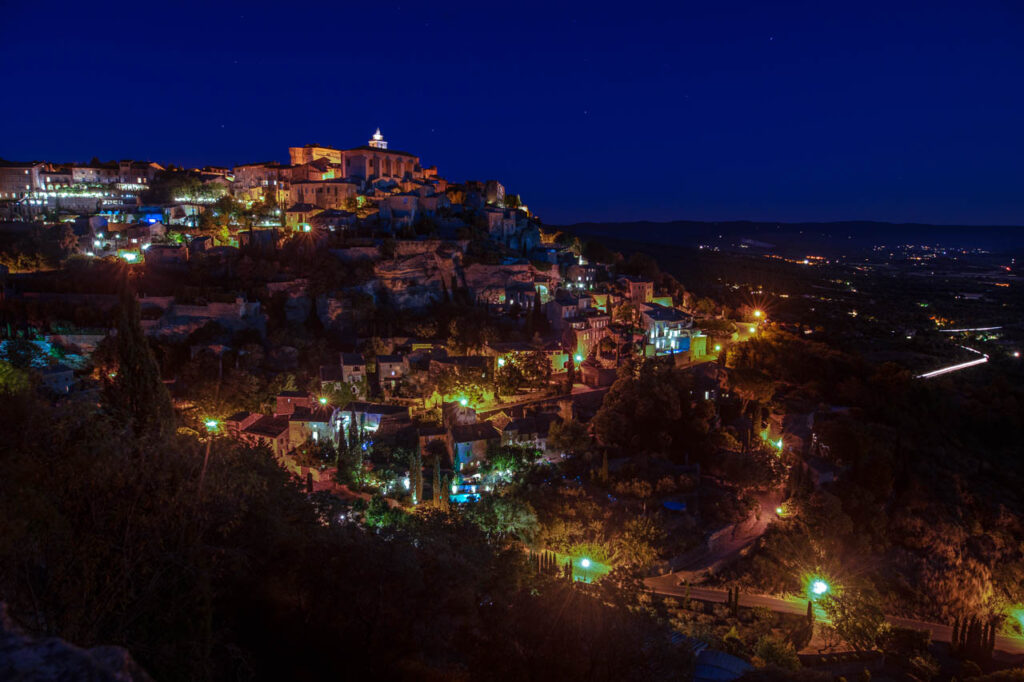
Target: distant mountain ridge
[812, 235]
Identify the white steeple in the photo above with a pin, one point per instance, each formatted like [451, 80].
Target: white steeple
[378, 141]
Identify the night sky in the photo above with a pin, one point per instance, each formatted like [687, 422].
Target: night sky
[693, 110]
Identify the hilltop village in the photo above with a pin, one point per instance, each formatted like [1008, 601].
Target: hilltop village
[345, 386]
[362, 245]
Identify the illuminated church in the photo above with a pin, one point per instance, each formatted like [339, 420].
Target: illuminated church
[372, 161]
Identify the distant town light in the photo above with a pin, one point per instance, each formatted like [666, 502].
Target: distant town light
[129, 257]
[753, 330]
[501, 362]
[1016, 353]
[718, 347]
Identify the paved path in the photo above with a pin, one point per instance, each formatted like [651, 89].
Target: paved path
[693, 565]
[667, 585]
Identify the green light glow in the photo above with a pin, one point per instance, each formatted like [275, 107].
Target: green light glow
[817, 586]
[463, 402]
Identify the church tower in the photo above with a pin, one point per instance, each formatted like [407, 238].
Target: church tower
[378, 141]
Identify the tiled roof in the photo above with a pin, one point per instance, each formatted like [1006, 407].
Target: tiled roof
[319, 413]
[368, 148]
[376, 408]
[468, 433]
[271, 427]
[330, 373]
[664, 314]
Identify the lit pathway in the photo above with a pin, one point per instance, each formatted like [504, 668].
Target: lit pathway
[666, 585]
[955, 368]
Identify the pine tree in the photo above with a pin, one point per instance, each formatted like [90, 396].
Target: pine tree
[137, 395]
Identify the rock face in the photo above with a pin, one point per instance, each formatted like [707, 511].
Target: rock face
[414, 282]
[480, 277]
[297, 304]
[28, 659]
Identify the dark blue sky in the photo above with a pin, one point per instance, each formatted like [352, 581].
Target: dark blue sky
[689, 110]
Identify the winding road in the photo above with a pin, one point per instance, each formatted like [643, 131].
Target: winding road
[957, 367]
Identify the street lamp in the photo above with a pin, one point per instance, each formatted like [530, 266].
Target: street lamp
[463, 402]
[585, 563]
[718, 347]
[323, 401]
[758, 313]
[578, 358]
[211, 424]
[501, 362]
[819, 587]
[753, 330]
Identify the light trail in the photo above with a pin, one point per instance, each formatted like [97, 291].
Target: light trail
[954, 368]
[974, 329]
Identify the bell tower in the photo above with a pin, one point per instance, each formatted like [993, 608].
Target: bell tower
[378, 141]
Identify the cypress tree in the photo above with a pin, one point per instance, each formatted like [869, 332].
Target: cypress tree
[446, 483]
[417, 477]
[437, 482]
[137, 395]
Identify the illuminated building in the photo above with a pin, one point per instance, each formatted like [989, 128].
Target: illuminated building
[371, 161]
[18, 180]
[637, 290]
[312, 152]
[668, 330]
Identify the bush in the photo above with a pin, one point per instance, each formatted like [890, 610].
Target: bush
[771, 651]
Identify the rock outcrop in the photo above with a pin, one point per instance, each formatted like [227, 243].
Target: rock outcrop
[29, 659]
